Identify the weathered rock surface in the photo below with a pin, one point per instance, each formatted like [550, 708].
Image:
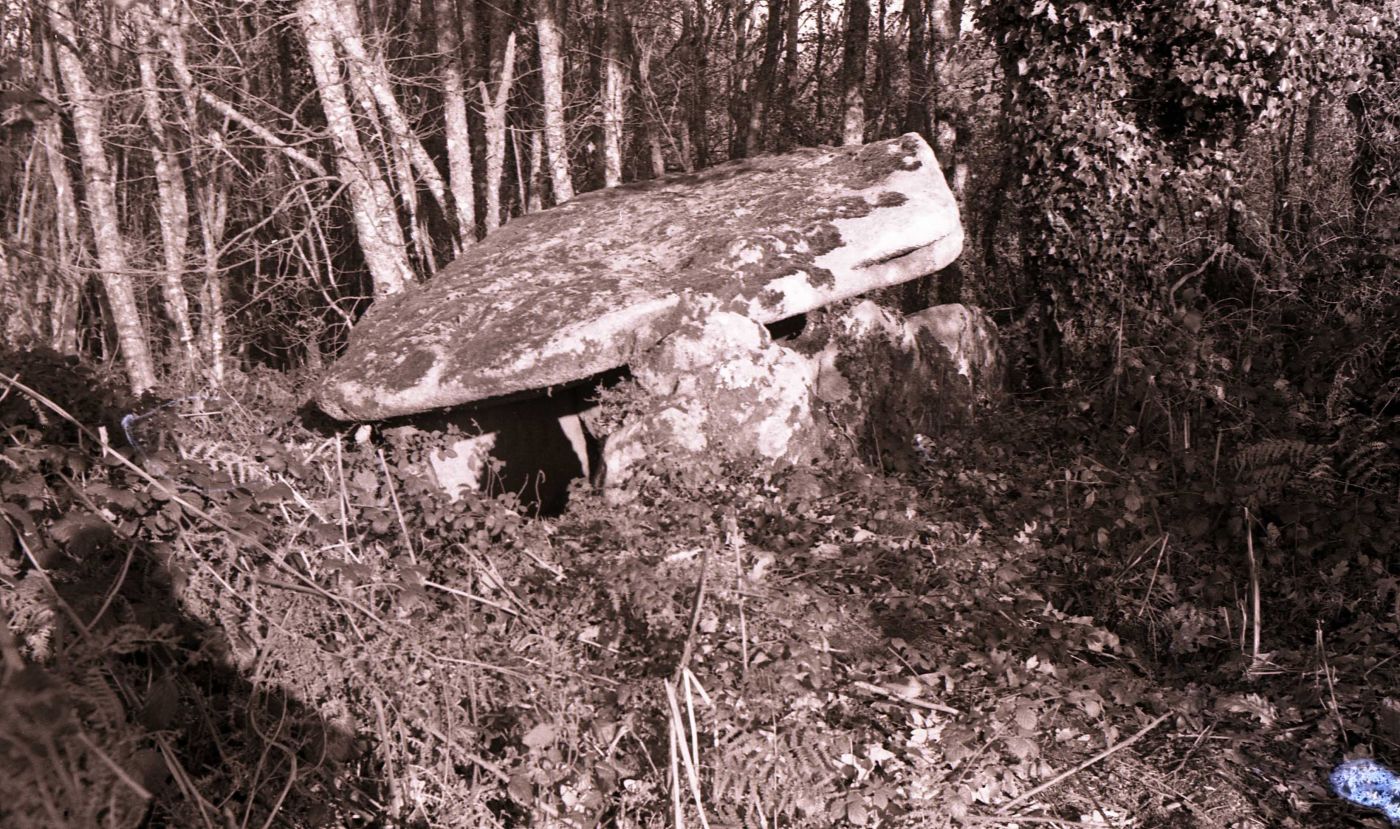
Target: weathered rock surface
[564, 294]
[718, 382]
[972, 342]
[884, 379]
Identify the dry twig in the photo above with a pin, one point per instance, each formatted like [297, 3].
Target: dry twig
[1082, 766]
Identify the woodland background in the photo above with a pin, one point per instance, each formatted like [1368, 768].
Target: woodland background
[1185, 218]
[192, 186]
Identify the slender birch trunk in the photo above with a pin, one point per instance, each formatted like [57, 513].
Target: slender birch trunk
[13, 326]
[377, 139]
[213, 216]
[372, 205]
[172, 209]
[614, 96]
[345, 24]
[494, 111]
[686, 150]
[63, 309]
[656, 154]
[853, 58]
[101, 192]
[210, 194]
[535, 201]
[454, 106]
[556, 141]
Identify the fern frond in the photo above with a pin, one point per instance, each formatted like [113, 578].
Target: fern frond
[1369, 464]
[1368, 358]
[1255, 459]
[760, 776]
[241, 469]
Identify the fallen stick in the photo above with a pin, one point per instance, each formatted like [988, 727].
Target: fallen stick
[1084, 765]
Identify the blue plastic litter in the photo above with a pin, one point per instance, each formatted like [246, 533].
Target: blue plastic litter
[1367, 783]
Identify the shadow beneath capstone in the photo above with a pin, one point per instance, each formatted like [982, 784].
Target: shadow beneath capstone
[541, 444]
[534, 446]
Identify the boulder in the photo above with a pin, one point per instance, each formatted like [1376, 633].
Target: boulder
[970, 339]
[718, 382]
[561, 295]
[883, 379]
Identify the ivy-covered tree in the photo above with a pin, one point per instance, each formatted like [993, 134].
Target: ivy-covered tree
[1129, 125]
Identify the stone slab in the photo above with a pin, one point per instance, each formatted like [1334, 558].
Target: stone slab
[561, 295]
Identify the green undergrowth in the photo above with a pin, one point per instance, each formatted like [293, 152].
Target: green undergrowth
[242, 621]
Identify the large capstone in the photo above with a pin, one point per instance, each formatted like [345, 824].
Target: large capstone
[567, 293]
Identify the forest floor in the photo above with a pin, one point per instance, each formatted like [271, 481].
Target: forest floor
[260, 624]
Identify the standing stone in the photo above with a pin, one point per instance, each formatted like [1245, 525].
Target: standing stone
[883, 378]
[972, 343]
[718, 383]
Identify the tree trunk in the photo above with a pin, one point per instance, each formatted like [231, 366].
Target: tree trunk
[788, 87]
[686, 150]
[1281, 168]
[614, 95]
[344, 23]
[951, 133]
[916, 101]
[101, 192]
[13, 325]
[535, 201]
[210, 190]
[853, 58]
[556, 139]
[697, 114]
[172, 209]
[882, 93]
[819, 68]
[1364, 163]
[213, 215]
[765, 80]
[995, 209]
[372, 205]
[71, 253]
[493, 109]
[1302, 224]
[653, 117]
[454, 113]
[739, 91]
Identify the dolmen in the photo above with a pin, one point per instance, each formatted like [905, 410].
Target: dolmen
[675, 282]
